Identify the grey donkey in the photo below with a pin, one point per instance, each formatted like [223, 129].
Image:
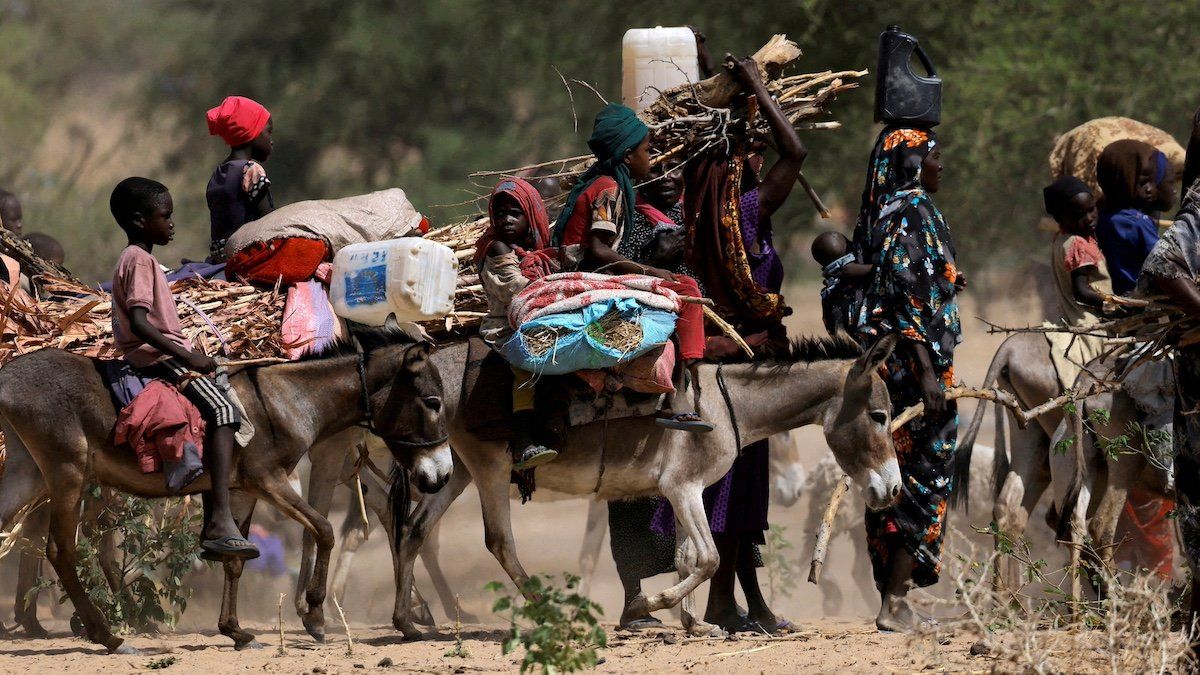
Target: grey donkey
[830, 382]
[57, 420]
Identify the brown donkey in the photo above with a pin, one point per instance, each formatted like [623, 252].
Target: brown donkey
[57, 418]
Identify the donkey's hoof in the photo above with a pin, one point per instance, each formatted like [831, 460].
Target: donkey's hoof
[317, 633]
[125, 650]
[34, 631]
[249, 644]
[408, 631]
[424, 617]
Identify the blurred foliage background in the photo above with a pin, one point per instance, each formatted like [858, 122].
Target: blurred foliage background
[417, 94]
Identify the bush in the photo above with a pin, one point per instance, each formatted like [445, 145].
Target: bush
[559, 629]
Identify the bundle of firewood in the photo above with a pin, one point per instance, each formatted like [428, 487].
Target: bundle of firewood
[712, 115]
[221, 317]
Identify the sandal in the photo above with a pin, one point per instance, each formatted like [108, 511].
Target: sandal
[534, 456]
[642, 623]
[685, 422]
[230, 547]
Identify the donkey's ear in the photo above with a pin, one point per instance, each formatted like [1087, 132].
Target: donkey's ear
[874, 357]
[416, 357]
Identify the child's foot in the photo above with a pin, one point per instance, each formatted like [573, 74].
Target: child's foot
[685, 422]
[534, 455]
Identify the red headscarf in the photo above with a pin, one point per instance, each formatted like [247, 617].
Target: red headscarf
[238, 120]
[539, 261]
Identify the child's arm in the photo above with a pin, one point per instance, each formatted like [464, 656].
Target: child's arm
[1082, 289]
[857, 271]
[600, 254]
[139, 323]
[498, 247]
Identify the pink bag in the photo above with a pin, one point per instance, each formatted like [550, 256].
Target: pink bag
[309, 324]
[650, 373]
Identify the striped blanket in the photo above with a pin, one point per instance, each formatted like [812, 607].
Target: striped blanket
[572, 291]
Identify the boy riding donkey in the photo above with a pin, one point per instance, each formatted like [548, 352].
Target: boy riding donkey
[147, 330]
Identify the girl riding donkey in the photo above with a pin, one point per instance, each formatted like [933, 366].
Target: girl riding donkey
[598, 215]
[512, 252]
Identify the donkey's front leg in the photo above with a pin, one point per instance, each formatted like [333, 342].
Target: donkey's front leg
[420, 523]
[695, 557]
[497, 519]
[242, 506]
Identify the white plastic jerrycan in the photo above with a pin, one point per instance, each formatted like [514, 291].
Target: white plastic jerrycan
[656, 59]
[412, 278]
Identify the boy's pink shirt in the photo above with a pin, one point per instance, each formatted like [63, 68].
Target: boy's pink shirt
[140, 282]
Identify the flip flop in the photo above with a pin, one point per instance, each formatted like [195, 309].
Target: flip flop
[685, 422]
[231, 547]
[534, 456]
[642, 623]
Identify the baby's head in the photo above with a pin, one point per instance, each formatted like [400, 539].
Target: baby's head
[829, 246]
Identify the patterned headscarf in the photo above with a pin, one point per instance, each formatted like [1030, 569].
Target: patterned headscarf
[530, 201]
[617, 131]
[894, 171]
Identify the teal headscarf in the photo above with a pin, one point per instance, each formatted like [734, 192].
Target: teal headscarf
[617, 131]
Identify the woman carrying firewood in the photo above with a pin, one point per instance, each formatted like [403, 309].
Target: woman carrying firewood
[913, 295]
[597, 215]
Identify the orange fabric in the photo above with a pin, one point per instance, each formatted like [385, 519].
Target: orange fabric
[157, 424]
[294, 259]
[1145, 530]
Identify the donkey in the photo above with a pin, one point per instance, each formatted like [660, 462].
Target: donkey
[788, 480]
[57, 418]
[1025, 469]
[830, 382]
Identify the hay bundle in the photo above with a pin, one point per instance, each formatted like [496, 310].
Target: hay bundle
[78, 319]
[612, 330]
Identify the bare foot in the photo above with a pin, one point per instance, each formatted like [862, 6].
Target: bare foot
[895, 616]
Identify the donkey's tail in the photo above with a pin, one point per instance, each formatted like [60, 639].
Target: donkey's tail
[1078, 476]
[399, 502]
[960, 497]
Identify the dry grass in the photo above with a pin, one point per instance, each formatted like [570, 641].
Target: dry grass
[1040, 628]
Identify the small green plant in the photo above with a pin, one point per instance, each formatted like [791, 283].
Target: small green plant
[559, 628]
[164, 662]
[459, 650]
[781, 572]
[155, 545]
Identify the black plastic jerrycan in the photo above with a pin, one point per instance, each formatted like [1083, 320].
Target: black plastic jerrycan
[902, 96]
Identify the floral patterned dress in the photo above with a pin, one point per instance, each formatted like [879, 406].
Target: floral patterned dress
[913, 294]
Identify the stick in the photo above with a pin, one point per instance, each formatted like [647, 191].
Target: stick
[689, 300]
[280, 651]
[362, 505]
[1005, 399]
[349, 640]
[826, 529]
[814, 197]
[728, 330]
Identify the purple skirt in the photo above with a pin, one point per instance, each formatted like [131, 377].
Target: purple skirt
[736, 504]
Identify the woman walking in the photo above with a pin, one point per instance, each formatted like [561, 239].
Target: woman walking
[913, 295]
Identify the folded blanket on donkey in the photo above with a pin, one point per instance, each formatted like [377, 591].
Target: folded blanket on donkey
[578, 321]
[164, 429]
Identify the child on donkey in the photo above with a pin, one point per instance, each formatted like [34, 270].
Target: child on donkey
[598, 214]
[513, 251]
[146, 329]
[845, 279]
[239, 190]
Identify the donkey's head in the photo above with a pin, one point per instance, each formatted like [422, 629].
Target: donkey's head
[857, 428]
[409, 416]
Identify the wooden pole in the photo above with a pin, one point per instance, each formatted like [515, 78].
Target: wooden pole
[825, 531]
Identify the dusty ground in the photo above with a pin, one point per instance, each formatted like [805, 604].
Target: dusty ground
[836, 633]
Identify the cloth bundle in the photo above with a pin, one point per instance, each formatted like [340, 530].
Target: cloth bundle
[575, 310]
[376, 216]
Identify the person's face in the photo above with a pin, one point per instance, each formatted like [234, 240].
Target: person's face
[638, 160]
[665, 189]
[157, 226]
[1164, 192]
[1080, 215]
[931, 170]
[263, 144]
[1146, 188]
[512, 226]
[12, 216]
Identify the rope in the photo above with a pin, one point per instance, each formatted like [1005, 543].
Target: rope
[737, 433]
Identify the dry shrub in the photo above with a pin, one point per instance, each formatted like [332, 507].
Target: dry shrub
[1040, 628]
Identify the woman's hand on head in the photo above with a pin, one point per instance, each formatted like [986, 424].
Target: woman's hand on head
[745, 71]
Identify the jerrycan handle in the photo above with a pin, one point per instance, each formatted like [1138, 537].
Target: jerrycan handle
[930, 72]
